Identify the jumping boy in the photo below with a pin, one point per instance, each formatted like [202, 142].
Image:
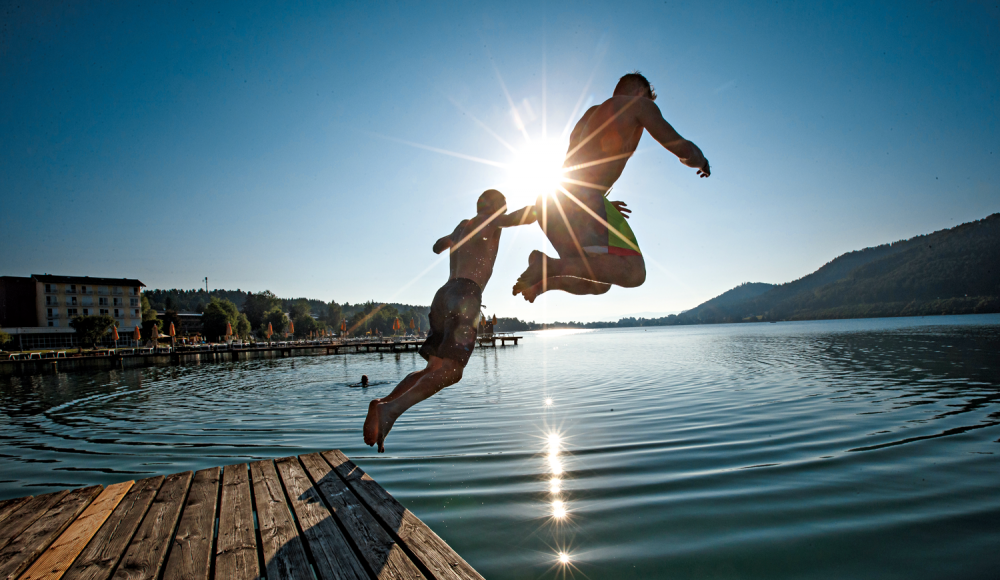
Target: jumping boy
[454, 314]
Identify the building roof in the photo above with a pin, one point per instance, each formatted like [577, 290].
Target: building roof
[53, 279]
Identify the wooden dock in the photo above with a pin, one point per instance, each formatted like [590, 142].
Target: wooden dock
[312, 516]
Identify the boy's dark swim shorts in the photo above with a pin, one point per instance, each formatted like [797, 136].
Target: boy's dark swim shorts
[454, 319]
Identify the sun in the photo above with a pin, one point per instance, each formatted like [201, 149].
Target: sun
[536, 169]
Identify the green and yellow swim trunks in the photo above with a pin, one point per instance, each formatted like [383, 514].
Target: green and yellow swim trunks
[613, 237]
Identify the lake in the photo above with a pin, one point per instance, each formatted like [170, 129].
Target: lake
[831, 449]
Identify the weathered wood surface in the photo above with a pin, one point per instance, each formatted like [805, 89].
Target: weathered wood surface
[99, 559]
[333, 555]
[27, 514]
[284, 554]
[148, 548]
[378, 548]
[8, 507]
[58, 557]
[20, 552]
[317, 516]
[236, 546]
[436, 556]
[191, 553]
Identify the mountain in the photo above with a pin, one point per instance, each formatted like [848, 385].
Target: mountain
[953, 271]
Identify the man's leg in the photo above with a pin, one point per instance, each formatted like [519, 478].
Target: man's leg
[577, 286]
[382, 413]
[625, 271]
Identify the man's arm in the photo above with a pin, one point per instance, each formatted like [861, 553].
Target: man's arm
[650, 117]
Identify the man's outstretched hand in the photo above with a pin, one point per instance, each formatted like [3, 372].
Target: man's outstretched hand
[705, 171]
[622, 208]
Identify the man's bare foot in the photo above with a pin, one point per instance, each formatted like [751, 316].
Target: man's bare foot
[532, 275]
[531, 293]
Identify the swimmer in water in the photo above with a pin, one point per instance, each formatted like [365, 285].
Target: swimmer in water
[454, 312]
[364, 380]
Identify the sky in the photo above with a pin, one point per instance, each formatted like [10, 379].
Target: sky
[319, 149]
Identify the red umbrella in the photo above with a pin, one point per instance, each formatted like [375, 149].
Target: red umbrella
[343, 325]
[137, 335]
[494, 320]
[229, 330]
[270, 331]
[114, 333]
[291, 327]
[172, 332]
[412, 325]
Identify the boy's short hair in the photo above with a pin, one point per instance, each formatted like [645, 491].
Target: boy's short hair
[634, 80]
[490, 201]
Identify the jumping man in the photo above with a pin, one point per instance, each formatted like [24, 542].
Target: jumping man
[595, 244]
[454, 314]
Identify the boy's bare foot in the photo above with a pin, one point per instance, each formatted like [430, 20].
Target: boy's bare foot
[378, 423]
[371, 429]
[532, 275]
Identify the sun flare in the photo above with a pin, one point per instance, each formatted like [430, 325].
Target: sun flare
[535, 169]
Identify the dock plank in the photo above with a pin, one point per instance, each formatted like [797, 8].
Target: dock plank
[148, 549]
[434, 553]
[27, 514]
[8, 507]
[236, 546]
[284, 554]
[61, 554]
[378, 548]
[20, 552]
[333, 555]
[102, 554]
[191, 552]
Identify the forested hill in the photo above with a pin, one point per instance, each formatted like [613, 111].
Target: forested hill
[954, 271]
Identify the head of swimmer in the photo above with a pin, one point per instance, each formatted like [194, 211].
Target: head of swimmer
[491, 202]
[634, 84]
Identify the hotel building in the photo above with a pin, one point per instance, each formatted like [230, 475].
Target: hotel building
[38, 310]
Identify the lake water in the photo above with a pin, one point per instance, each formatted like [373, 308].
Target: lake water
[835, 449]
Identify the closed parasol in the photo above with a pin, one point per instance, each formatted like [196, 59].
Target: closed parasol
[137, 335]
[270, 331]
[291, 327]
[229, 330]
[172, 331]
[114, 333]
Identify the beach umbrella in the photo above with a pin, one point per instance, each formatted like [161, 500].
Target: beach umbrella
[412, 324]
[494, 320]
[172, 331]
[343, 325]
[291, 327]
[229, 330]
[137, 335]
[270, 331]
[114, 333]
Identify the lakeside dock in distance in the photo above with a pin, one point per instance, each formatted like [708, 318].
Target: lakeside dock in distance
[127, 358]
[316, 515]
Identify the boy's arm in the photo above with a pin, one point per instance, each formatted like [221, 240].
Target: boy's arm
[525, 215]
[448, 241]
[651, 118]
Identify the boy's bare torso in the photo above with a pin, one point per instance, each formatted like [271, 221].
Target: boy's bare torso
[474, 257]
[601, 144]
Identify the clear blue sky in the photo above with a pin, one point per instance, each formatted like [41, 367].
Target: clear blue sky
[272, 147]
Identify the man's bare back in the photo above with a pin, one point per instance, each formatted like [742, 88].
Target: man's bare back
[596, 246]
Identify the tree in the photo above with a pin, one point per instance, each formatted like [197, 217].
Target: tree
[242, 327]
[300, 309]
[276, 318]
[334, 314]
[171, 316]
[4, 337]
[90, 329]
[217, 314]
[257, 305]
[148, 312]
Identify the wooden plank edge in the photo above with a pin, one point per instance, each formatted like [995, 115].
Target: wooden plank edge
[63, 552]
[457, 567]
